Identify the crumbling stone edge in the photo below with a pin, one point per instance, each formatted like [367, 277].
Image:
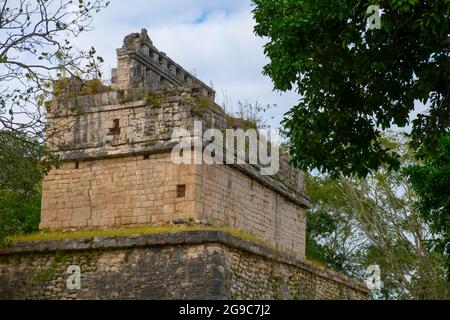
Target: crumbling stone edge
[182, 238]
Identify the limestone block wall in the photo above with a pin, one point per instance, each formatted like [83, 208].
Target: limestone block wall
[184, 265]
[229, 197]
[150, 189]
[168, 272]
[121, 191]
[254, 278]
[106, 123]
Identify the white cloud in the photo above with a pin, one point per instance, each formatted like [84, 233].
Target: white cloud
[213, 37]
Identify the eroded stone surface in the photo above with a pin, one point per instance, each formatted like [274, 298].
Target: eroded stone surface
[184, 265]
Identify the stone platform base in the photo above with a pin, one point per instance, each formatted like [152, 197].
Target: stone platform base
[183, 265]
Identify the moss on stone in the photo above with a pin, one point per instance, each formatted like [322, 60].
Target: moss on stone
[48, 273]
[152, 99]
[275, 281]
[118, 232]
[94, 86]
[72, 87]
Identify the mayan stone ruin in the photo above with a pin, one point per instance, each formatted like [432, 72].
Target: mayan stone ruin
[117, 168]
[117, 171]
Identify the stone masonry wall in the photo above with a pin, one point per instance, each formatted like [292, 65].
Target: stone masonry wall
[145, 190]
[118, 192]
[231, 198]
[109, 123]
[250, 277]
[185, 265]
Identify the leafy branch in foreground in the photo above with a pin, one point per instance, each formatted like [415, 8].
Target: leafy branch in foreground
[34, 51]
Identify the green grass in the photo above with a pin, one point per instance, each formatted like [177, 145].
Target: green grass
[120, 232]
[204, 103]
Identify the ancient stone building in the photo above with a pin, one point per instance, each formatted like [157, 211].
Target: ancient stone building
[117, 171]
[117, 168]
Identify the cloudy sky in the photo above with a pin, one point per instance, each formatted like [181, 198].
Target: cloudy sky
[213, 37]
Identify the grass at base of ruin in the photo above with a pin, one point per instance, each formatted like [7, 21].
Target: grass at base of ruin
[120, 232]
[143, 230]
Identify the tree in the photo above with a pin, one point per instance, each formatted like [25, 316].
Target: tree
[356, 82]
[356, 223]
[431, 181]
[19, 213]
[333, 234]
[23, 162]
[34, 51]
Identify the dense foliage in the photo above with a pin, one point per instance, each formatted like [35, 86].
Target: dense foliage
[23, 162]
[431, 181]
[356, 223]
[19, 213]
[356, 82]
